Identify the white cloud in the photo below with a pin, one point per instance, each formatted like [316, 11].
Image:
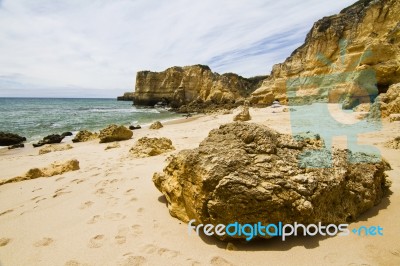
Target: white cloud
[100, 45]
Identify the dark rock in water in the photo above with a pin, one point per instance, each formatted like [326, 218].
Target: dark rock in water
[15, 146]
[248, 173]
[7, 139]
[128, 96]
[132, 127]
[50, 139]
[66, 134]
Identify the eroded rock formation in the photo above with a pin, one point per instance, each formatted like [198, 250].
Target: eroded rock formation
[156, 125]
[53, 148]
[55, 168]
[85, 135]
[179, 86]
[386, 104]
[344, 55]
[7, 139]
[248, 173]
[114, 133]
[146, 147]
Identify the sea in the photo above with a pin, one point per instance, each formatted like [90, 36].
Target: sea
[35, 118]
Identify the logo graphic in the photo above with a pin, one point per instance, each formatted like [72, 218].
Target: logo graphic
[343, 82]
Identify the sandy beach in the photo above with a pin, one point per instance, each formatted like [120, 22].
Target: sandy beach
[110, 213]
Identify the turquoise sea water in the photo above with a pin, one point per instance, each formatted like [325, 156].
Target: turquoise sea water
[35, 118]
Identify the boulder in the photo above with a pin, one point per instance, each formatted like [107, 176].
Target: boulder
[15, 146]
[249, 173]
[394, 117]
[393, 144]
[53, 148]
[146, 147]
[55, 168]
[67, 134]
[156, 125]
[50, 139]
[114, 133]
[7, 139]
[132, 127]
[386, 103]
[84, 135]
[244, 115]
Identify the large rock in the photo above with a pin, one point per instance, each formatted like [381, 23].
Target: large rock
[156, 125]
[244, 115]
[146, 147]
[128, 96]
[114, 133]
[248, 173]
[337, 53]
[53, 148]
[50, 139]
[387, 103]
[7, 139]
[85, 135]
[393, 144]
[179, 86]
[55, 168]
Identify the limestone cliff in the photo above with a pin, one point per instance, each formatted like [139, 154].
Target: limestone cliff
[128, 96]
[354, 53]
[180, 86]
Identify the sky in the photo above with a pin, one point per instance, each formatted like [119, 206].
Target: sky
[93, 48]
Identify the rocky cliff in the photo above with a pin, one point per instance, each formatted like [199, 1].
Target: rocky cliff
[352, 54]
[180, 86]
[128, 96]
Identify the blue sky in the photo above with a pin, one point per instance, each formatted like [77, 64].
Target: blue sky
[93, 48]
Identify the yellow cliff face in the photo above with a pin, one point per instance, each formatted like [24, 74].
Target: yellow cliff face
[178, 86]
[338, 51]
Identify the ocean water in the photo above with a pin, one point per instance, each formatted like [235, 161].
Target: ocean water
[35, 118]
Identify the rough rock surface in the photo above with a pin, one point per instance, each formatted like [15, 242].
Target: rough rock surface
[393, 144]
[394, 117]
[7, 139]
[114, 133]
[50, 139]
[85, 135]
[244, 115]
[180, 86]
[55, 168]
[369, 32]
[16, 146]
[128, 96]
[156, 125]
[52, 148]
[249, 173]
[146, 147]
[386, 103]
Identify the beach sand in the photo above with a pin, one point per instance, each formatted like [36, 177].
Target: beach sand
[110, 213]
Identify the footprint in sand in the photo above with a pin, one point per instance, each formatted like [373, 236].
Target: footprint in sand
[120, 238]
[4, 241]
[164, 252]
[136, 230]
[75, 263]
[60, 178]
[7, 211]
[94, 219]
[114, 216]
[39, 200]
[140, 210]
[60, 193]
[36, 189]
[219, 261]
[44, 242]
[86, 204]
[96, 241]
[129, 191]
[133, 261]
[112, 201]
